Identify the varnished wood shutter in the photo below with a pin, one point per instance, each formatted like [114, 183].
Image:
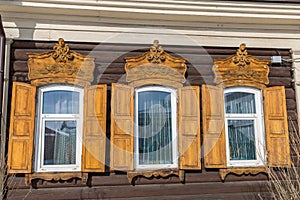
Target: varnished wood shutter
[189, 128]
[94, 135]
[213, 127]
[122, 111]
[276, 125]
[21, 132]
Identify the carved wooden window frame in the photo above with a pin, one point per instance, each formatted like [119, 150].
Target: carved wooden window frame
[61, 66]
[155, 68]
[242, 70]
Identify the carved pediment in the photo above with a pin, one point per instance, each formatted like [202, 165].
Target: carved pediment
[241, 69]
[61, 65]
[155, 64]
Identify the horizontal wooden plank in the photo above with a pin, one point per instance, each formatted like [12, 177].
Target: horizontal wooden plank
[128, 191]
[121, 179]
[280, 81]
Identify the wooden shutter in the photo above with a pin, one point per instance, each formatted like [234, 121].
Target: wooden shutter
[189, 128]
[276, 125]
[94, 135]
[21, 132]
[213, 127]
[122, 111]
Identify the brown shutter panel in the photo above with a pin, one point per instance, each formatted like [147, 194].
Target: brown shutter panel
[21, 132]
[122, 111]
[94, 135]
[276, 125]
[213, 127]
[189, 128]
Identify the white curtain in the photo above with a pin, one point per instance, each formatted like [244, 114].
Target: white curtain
[155, 128]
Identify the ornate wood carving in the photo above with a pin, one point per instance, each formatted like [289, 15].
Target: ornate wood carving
[240, 171]
[61, 65]
[156, 174]
[241, 69]
[155, 64]
[62, 176]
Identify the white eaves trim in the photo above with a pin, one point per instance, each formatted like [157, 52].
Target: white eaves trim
[246, 12]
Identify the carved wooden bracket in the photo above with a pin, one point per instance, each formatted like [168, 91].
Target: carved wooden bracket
[156, 174]
[64, 176]
[241, 69]
[61, 65]
[240, 171]
[155, 64]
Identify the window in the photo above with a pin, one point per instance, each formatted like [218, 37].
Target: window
[59, 128]
[244, 127]
[155, 128]
[236, 134]
[68, 132]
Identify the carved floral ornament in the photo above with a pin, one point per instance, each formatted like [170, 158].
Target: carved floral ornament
[61, 65]
[241, 69]
[155, 64]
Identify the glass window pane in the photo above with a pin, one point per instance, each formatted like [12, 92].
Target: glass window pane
[60, 102]
[60, 142]
[154, 127]
[240, 103]
[241, 139]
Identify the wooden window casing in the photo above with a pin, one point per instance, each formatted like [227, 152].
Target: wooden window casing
[60, 67]
[155, 68]
[243, 70]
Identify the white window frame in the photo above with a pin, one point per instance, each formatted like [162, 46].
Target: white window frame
[40, 127]
[173, 93]
[258, 118]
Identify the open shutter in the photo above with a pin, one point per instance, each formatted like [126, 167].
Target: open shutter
[213, 127]
[189, 128]
[21, 132]
[94, 135]
[122, 110]
[277, 135]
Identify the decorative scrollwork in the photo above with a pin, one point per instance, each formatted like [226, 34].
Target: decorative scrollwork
[240, 171]
[155, 64]
[241, 69]
[156, 174]
[241, 59]
[62, 52]
[59, 65]
[156, 53]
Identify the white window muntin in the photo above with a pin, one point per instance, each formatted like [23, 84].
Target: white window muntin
[258, 119]
[40, 127]
[174, 129]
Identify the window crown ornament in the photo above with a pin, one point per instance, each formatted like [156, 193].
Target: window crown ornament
[241, 69]
[155, 64]
[61, 65]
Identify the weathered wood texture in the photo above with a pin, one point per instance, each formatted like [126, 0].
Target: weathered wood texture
[204, 184]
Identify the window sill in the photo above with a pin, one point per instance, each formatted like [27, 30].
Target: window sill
[53, 176]
[242, 170]
[156, 174]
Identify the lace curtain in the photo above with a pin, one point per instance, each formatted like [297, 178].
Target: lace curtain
[154, 128]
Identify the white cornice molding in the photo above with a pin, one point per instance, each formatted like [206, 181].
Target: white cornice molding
[170, 10]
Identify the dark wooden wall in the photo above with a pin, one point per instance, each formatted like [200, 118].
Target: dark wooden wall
[204, 184]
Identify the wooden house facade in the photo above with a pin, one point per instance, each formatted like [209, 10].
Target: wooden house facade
[106, 67]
